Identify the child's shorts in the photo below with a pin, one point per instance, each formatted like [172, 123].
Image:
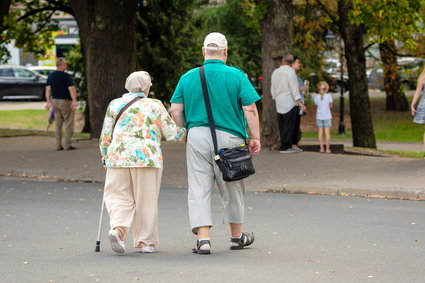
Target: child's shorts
[324, 123]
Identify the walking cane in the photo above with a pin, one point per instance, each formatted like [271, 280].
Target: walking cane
[97, 249]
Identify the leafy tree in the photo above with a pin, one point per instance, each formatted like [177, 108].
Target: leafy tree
[166, 45]
[236, 20]
[310, 25]
[29, 24]
[361, 117]
[386, 21]
[277, 34]
[353, 35]
[107, 32]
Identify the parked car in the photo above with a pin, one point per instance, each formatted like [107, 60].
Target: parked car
[409, 72]
[17, 82]
[44, 70]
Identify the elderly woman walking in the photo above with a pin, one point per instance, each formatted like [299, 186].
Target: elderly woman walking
[130, 145]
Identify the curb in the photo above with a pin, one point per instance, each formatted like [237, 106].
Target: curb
[377, 192]
[399, 193]
[47, 177]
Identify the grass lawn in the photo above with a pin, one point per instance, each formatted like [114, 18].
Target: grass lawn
[388, 125]
[27, 122]
[24, 119]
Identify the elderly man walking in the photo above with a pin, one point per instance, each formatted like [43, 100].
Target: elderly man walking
[233, 106]
[285, 92]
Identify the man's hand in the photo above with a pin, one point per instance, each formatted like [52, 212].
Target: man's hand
[48, 105]
[74, 105]
[254, 146]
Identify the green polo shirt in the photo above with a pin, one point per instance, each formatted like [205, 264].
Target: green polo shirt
[228, 88]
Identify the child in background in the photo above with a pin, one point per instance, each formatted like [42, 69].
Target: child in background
[324, 101]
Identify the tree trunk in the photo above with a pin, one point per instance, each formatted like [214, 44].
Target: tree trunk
[107, 32]
[4, 10]
[276, 29]
[361, 118]
[396, 100]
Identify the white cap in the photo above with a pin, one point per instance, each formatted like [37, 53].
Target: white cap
[217, 39]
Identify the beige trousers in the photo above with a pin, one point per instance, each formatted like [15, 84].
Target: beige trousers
[132, 194]
[64, 116]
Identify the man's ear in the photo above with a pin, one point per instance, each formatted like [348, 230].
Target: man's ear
[203, 51]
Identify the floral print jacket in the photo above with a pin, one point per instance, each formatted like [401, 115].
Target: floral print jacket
[136, 139]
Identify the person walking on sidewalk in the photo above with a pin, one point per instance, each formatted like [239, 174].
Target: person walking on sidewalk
[232, 99]
[131, 152]
[324, 101]
[419, 112]
[286, 93]
[61, 94]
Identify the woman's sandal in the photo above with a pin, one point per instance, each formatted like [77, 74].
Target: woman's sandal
[239, 243]
[203, 247]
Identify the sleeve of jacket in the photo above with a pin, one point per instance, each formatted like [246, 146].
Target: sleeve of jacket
[106, 134]
[169, 129]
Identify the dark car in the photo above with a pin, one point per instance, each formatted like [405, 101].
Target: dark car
[17, 82]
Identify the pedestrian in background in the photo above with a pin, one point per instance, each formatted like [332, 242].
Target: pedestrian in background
[232, 99]
[302, 85]
[419, 112]
[303, 88]
[285, 91]
[62, 96]
[324, 101]
[131, 153]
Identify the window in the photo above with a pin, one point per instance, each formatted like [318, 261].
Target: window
[22, 73]
[6, 73]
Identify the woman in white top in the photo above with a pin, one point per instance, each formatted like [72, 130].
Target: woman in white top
[324, 101]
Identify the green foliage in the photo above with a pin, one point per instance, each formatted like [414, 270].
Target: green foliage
[24, 119]
[254, 13]
[167, 42]
[310, 26]
[390, 19]
[235, 19]
[75, 62]
[29, 23]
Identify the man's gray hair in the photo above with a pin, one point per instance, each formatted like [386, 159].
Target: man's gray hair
[288, 58]
[60, 61]
[210, 52]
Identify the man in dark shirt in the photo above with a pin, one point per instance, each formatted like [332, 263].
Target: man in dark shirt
[62, 96]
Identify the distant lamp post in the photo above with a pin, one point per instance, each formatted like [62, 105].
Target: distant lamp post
[335, 42]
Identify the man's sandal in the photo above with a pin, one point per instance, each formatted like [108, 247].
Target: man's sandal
[203, 247]
[239, 243]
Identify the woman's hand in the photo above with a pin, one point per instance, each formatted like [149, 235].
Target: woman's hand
[413, 110]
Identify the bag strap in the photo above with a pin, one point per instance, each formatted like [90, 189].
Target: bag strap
[208, 107]
[122, 111]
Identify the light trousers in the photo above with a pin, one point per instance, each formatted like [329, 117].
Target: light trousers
[203, 172]
[131, 195]
[64, 117]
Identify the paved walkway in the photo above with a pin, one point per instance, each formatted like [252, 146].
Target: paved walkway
[306, 172]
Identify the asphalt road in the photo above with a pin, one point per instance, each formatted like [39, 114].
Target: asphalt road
[48, 231]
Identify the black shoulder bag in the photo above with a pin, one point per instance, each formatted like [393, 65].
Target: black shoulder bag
[234, 163]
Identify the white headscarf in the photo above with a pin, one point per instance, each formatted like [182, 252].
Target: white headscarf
[138, 82]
